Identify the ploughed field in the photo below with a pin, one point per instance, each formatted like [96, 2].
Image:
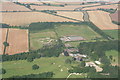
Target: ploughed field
[115, 17]
[17, 40]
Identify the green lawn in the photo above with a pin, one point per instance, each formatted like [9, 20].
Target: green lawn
[39, 38]
[22, 67]
[77, 30]
[115, 56]
[112, 33]
[77, 76]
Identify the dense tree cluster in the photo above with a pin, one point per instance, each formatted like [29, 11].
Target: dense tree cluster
[79, 69]
[21, 56]
[112, 70]
[41, 75]
[53, 50]
[97, 49]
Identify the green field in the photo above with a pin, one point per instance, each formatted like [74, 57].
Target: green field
[115, 56]
[39, 38]
[22, 67]
[77, 30]
[112, 33]
[77, 76]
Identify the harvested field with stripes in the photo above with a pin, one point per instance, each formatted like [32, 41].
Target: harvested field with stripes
[25, 18]
[17, 40]
[73, 15]
[113, 6]
[102, 20]
[9, 6]
[3, 33]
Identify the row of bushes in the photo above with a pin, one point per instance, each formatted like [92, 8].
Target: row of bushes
[108, 10]
[8, 26]
[41, 75]
[115, 22]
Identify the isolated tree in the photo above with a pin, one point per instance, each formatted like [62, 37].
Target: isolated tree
[2, 71]
[30, 59]
[68, 61]
[6, 44]
[111, 57]
[82, 64]
[35, 66]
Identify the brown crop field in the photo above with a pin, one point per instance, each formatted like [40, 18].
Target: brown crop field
[74, 15]
[18, 41]
[114, 16]
[3, 33]
[102, 20]
[103, 6]
[9, 6]
[68, 7]
[25, 18]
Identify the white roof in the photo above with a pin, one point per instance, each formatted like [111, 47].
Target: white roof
[97, 62]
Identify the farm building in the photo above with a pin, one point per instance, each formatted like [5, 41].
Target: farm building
[76, 56]
[98, 62]
[72, 38]
[92, 64]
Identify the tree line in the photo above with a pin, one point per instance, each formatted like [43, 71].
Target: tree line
[52, 50]
[41, 75]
